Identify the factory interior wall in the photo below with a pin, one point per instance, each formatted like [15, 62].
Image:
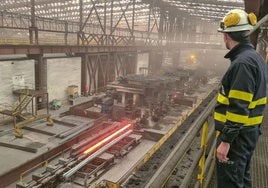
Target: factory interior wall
[62, 73]
[15, 75]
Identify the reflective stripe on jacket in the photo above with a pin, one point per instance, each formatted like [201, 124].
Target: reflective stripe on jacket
[242, 96]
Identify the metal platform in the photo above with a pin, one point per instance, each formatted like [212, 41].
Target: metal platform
[259, 165]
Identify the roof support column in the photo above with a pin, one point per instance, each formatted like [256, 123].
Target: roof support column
[80, 34]
[111, 18]
[149, 22]
[171, 26]
[33, 31]
[84, 75]
[133, 16]
[105, 38]
[161, 25]
[40, 79]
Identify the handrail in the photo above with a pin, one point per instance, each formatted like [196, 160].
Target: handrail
[163, 171]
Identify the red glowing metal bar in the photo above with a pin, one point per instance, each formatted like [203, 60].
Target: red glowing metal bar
[107, 139]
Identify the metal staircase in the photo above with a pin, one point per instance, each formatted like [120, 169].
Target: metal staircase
[22, 104]
[17, 112]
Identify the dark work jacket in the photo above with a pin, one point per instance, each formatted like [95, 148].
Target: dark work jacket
[242, 96]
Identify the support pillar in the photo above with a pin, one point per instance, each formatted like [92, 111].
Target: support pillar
[40, 73]
[84, 75]
[41, 80]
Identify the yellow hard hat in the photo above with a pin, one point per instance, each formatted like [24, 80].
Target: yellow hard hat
[237, 20]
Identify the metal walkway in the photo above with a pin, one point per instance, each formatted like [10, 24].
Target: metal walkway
[259, 165]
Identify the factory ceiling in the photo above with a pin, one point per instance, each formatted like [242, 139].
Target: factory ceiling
[69, 10]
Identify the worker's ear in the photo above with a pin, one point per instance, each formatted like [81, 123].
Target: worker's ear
[225, 37]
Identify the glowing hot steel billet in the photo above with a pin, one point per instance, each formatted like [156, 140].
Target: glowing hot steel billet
[107, 139]
[68, 174]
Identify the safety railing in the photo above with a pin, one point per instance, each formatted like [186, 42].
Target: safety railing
[90, 40]
[203, 160]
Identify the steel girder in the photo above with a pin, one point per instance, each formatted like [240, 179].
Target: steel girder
[99, 69]
[106, 22]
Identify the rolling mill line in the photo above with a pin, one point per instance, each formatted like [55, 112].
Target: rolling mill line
[178, 157]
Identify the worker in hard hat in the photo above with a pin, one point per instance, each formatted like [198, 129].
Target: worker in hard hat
[240, 103]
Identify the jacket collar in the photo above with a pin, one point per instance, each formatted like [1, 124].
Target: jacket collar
[237, 49]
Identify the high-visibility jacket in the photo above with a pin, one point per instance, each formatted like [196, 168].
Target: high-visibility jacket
[242, 96]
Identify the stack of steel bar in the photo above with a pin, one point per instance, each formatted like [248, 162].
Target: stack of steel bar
[88, 158]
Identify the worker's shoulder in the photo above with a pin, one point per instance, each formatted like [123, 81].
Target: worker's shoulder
[250, 57]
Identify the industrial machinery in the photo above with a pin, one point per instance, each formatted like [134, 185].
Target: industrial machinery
[73, 91]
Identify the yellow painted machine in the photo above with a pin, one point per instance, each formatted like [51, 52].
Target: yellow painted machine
[27, 97]
[107, 184]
